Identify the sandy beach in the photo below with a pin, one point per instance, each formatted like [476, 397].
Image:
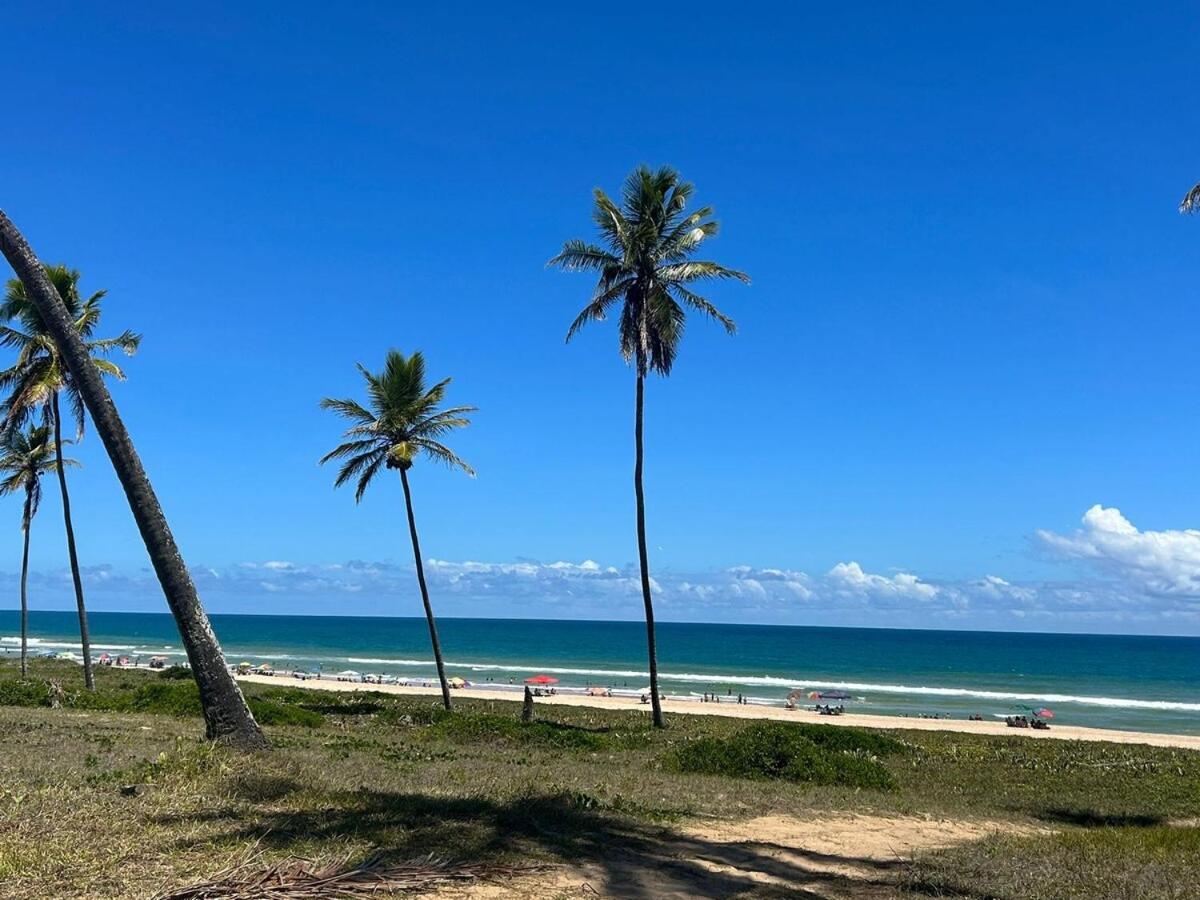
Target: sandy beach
[733, 710]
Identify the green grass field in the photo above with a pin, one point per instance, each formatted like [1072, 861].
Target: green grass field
[115, 794]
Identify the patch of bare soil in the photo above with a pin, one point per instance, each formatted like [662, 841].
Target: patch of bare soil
[830, 857]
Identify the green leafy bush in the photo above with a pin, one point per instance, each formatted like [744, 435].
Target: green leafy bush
[776, 750]
[176, 673]
[24, 693]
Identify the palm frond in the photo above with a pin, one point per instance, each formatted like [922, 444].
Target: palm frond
[698, 270]
[579, 256]
[1191, 201]
[403, 422]
[440, 453]
[597, 310]
[349, 409]
[695, 301]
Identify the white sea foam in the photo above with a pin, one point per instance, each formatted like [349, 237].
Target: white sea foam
[15, 641]
[814, 683]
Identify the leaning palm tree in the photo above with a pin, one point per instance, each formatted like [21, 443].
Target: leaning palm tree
[1191, 201]
[644, 264]
[38, 378]
[404, 421]
[24, 458]
[226, 715]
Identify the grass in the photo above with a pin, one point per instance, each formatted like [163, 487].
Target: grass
[358, 774]
[776, 750]
[1098, 863]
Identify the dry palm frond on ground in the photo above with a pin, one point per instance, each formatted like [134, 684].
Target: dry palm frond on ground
[302, 879]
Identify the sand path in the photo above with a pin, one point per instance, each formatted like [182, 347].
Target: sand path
[832, 856]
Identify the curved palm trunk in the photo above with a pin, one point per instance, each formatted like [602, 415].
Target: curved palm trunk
[28, 521]
[433, 635]
[226, 714]
[655, 700]
[85, 643]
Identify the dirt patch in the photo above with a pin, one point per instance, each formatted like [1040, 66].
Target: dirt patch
[838, 856]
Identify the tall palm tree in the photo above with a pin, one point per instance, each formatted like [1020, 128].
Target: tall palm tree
[226, 715]
[39, 377]
[24, 458]
[644, 264]
[1191, 201]
[404, 421]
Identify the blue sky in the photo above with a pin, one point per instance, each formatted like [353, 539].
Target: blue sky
[973, 314]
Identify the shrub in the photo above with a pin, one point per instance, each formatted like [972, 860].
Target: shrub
[268, 712]
[775, 750]
[176, 673]
[24, 693]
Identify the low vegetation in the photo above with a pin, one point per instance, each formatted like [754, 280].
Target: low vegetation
[366, 775]
[814, 754]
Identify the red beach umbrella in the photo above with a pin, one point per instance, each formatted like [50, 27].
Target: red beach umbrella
[541, 679]
[1044, 713]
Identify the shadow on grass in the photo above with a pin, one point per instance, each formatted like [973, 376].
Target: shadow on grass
[1087, 818]
[626, 858]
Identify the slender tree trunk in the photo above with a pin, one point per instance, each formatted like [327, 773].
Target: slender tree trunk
[433, 635]
[227, 717]
[655, 701]
[85, 643]
[28, 521]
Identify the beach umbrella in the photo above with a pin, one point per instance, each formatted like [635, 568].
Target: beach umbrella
[541, 679]
[1044, 713]
[457, 682]
[812, 695]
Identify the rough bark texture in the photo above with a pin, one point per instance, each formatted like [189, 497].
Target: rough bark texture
[655, 700]
[28, 522]
[85, 641]
[433, 635]
[227, 717]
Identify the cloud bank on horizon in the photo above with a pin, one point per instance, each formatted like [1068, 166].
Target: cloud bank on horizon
[1126, 580]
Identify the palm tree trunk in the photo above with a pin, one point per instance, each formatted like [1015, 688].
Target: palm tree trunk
[28, 522]
[433, 635]
[85, 643]
[655, 700]
[226, 715]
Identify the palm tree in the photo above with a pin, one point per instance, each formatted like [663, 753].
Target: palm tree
[403, 422]
[24, 458]
[644, 264]
[1191, 201]
[226, 715]
[39, 377]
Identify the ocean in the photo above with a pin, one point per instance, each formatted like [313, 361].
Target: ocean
[1129, 682]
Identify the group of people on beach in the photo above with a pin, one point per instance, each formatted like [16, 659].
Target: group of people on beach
[713, 697]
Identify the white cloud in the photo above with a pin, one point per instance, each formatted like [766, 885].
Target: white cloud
[1135, 581]
[850, 578]
[1157, 562]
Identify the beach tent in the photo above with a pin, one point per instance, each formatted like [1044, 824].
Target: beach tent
[541, 679]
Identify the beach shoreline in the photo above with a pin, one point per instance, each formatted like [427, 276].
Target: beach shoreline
[995, 728]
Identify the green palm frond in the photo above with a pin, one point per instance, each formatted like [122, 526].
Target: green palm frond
[401, 420]
[39, 373]
[25, 456]
[579, 256]
[651, 238]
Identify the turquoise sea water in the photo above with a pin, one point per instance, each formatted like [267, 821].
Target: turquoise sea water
[1136, 683]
